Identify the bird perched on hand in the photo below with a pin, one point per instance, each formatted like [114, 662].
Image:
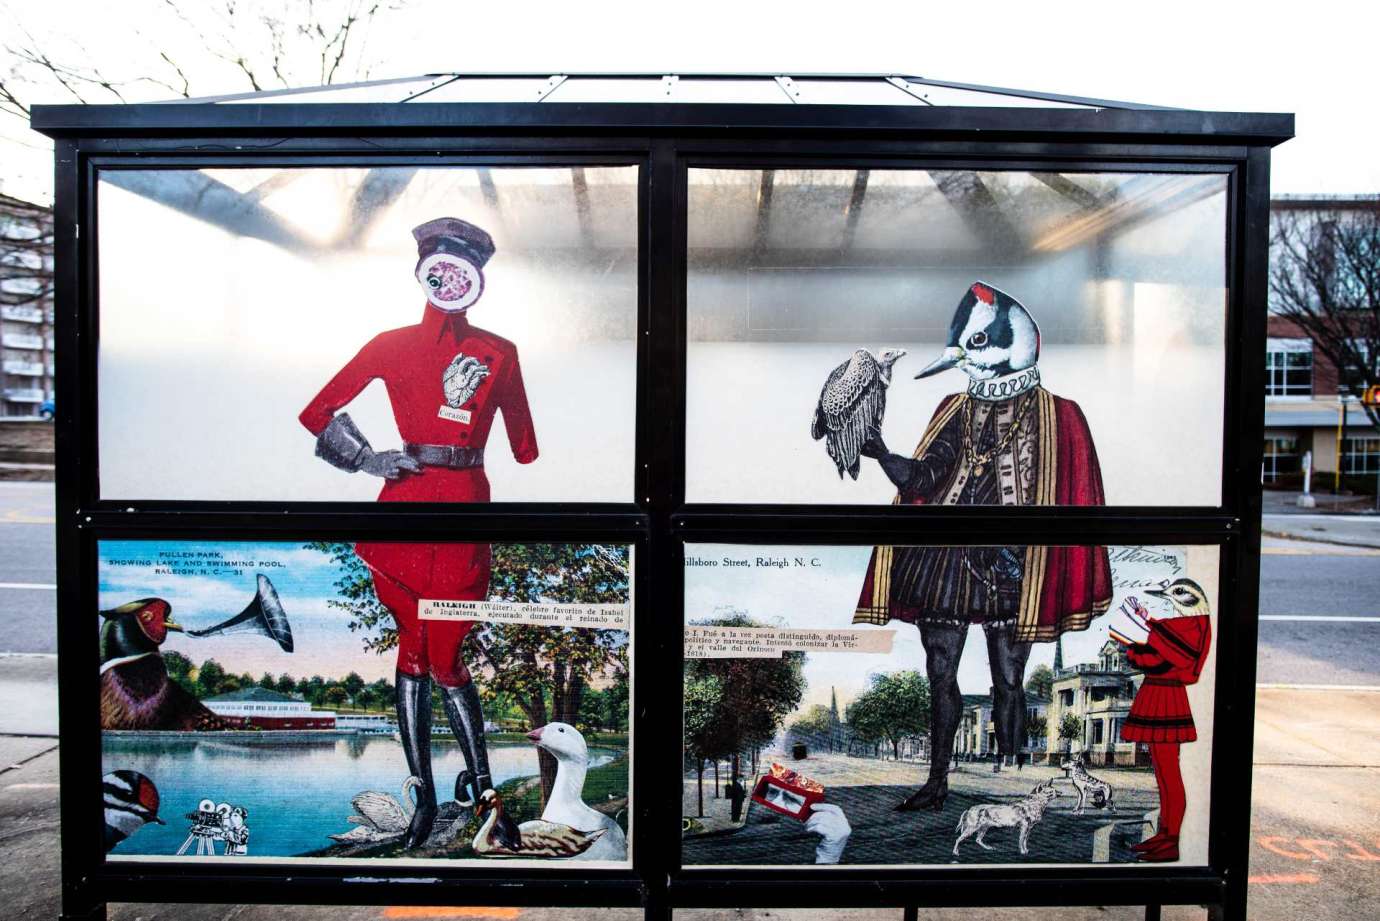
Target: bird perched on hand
[131, 802]
[136, 692]
[851, 406]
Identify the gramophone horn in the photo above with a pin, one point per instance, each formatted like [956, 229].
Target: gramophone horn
[263, 615]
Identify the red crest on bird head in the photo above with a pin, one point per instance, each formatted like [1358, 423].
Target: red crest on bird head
[984, 294]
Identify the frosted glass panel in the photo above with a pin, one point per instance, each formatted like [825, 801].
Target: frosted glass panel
[241, 310]
[1059, 337]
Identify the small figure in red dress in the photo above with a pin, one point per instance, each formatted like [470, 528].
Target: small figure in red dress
[1172, 657]
[446, 381]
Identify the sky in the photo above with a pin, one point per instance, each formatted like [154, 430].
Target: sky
[1312, 61]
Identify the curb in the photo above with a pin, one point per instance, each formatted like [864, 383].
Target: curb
[1289, 535]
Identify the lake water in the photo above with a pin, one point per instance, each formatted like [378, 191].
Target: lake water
[296, 794]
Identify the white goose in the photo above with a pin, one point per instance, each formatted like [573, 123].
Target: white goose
[566, 807]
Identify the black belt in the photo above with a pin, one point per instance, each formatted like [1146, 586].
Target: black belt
[456, 457]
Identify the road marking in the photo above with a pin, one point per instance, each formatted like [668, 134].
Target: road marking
[1318, 687]
[35, 586]
[1331, 550]
[1345, 619]
[18, 517]
[1287, 879]
[422, 911]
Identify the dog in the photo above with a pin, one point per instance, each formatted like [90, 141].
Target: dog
[1088, 786]
[1021, 814]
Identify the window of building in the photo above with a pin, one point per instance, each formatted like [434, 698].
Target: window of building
[1349, 382]
[1289, 368]
[1361, 455]
[1281, 457]
[1097, 732]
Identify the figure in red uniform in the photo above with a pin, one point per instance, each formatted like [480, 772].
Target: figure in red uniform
[1172, 657]
[446, 381]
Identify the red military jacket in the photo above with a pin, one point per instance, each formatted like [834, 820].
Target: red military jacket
[412, 362]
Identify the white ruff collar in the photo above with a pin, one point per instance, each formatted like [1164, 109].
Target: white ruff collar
[1006, 386]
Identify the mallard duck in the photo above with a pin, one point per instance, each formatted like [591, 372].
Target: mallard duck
[500, 837]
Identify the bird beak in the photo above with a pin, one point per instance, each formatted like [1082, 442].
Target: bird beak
[158, 820]
[172, 625]
[1157, 592]
[534, 736]
[952, 356]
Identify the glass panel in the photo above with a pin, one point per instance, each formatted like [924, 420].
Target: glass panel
[628, 89]
[391, 91]
[1102, 296]
[277, 294]
[273, 700]
[948, 96]
[764, 90]
[871, 92]
[490, 89]
[1002, 693]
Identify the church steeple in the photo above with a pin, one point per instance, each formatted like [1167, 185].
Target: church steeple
[1058, 655]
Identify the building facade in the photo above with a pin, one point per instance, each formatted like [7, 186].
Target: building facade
[1309, 405]
[1098, 695]
[977, 733]
[26, 307]
[265, 709]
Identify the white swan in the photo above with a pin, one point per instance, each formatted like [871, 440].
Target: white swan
[566, 807]
[381, 817]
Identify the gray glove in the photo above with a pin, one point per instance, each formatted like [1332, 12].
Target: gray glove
[342, 445]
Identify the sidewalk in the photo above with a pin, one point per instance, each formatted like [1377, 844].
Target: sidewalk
[1341, 530]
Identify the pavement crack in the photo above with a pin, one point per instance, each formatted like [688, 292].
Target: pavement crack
[23, 761]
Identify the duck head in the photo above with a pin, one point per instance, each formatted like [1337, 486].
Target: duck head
[1186, 596]
[991, 334]
[136, 628]
[562, 740]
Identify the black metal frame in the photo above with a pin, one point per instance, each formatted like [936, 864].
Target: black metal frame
[664, 140]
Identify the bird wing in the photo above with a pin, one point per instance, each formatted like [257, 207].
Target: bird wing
[381, 811]
[550, 839]
[849, 406]
[820, 426]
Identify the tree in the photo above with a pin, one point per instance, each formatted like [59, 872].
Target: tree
[353, 684]
[704, 732]
[366, 699]
[179, 669]
[335, 696]
[1325, 277]
[1041, 682]
[895, 707]
[286, 684]
[755, 696]
[209, 678]
[1070, 728]
[268, 682]
[1037, 727]
[545, 670]
[816, 723]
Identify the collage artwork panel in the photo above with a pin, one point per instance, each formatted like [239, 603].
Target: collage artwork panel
[286, 701]
[934, 705]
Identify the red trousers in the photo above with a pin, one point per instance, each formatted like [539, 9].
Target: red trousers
[424, 647]
[1164, 757]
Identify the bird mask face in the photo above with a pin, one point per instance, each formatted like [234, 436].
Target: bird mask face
[452, 283]
[992, 334]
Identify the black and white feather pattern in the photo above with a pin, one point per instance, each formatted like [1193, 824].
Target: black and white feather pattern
[851, 405]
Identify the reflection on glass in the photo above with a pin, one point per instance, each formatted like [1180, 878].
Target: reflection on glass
[923, 705]
[792, 271]
[266, 282]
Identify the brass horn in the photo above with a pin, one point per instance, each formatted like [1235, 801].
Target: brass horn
[264, 615]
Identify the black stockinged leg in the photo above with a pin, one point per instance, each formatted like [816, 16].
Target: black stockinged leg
[414, 728]
[467, 722]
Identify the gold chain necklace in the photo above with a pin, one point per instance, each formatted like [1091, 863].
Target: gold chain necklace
[978, 462]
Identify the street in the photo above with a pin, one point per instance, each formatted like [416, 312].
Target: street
[1315, 832]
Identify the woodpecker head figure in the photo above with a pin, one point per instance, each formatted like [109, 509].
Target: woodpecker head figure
[991, 334]
[1186, 596]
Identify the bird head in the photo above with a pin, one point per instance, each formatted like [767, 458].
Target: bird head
[991, 334]
[1184, 595]
[136, 627]
[562, 740]
[885, 359]
[488, 800]
[131, 801]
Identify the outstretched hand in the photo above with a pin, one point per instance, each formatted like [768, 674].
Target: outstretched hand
[829, 822]
[390, 465]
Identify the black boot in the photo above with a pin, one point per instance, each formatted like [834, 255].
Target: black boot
[414, 726]
[467, 722]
